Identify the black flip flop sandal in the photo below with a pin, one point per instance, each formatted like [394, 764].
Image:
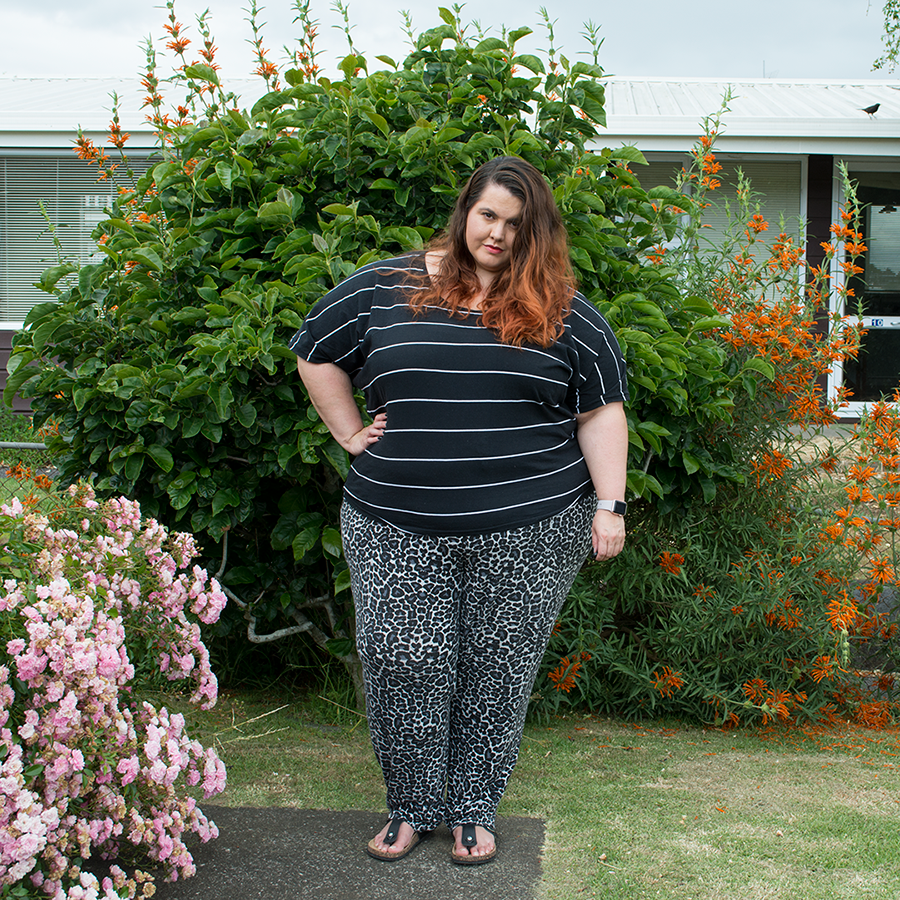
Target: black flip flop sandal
[470, 839]
[389, 838]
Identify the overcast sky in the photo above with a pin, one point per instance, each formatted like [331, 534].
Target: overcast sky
[833, 39]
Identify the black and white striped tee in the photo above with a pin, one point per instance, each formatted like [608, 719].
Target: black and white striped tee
[480, 435]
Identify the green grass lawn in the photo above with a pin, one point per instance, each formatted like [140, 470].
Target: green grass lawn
[631, 811]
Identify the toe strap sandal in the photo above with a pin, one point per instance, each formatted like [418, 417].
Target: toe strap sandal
[389, 838]
[470, 839]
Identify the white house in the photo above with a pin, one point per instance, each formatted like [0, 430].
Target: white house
[787, 136]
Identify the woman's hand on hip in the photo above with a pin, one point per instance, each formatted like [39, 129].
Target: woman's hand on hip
[366, 436]
[607, 534]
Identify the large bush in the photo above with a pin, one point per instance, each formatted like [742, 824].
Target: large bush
[166, 365]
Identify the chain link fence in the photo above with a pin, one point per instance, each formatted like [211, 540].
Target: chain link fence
[26, 470]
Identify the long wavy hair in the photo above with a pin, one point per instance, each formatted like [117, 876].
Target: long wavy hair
[527, 301]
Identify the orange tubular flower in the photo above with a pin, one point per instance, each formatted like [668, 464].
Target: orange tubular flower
[564, 675]
[882, 571]
[668, 683]
[755, 690]
[671, 562]
[842, 613]
[822, 668]
[757, 224]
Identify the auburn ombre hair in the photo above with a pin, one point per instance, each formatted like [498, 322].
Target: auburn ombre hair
[527, 301]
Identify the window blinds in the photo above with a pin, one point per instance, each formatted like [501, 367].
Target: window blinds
[73, 202]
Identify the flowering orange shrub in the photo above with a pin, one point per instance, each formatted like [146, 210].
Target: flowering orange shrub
[780, 593]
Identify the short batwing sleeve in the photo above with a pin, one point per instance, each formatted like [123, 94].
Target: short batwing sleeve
[601, 377]
[335, 328]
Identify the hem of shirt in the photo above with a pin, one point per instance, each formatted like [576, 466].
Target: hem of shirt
[524, 522]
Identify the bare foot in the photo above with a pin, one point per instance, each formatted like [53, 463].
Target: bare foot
[404, 836]
[484, 845]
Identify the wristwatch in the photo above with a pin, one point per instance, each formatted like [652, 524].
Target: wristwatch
[616, 507]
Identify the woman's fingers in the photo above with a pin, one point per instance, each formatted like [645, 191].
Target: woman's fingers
[367, 436]
[607, 535]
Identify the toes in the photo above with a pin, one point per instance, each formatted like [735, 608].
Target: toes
[484, 842]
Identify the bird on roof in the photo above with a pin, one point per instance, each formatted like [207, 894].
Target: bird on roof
[871, 110]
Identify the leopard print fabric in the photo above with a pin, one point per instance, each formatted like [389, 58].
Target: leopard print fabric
[451, 631]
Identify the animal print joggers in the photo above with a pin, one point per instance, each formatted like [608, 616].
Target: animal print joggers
[451, 631]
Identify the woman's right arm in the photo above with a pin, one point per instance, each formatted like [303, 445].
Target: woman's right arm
[331, 393]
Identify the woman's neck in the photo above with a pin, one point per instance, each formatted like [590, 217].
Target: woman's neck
[433, 266]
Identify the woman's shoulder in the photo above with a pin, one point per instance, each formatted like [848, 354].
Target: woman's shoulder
[583, 314]
[374, 275]
[395, 266]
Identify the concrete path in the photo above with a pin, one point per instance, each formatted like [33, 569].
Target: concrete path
[296, 854]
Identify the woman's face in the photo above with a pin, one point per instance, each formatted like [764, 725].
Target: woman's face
[490, 230]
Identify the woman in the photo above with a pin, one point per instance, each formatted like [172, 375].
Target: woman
[497, 393]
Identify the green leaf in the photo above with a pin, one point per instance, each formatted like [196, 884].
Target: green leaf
[202, 72]
[708, 323]
[641, 484]
[50, 277]
[308, 533]
[245, 414]
[274, 209]
[181, 490]
[627, 154]
[226, 174]
[336, 455]
[221, 395]
[339, 209]
[489, 44]
[331, 542]
[408, 238]
[342, 581]
[764, 367]
[224, 498]
[340, 647]
[161, 456]
[530, 62]
[378, 121]
[349, 64]
[133, 466]
[691, 463]
[149, 258]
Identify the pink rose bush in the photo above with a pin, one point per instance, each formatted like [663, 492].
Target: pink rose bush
[87, 770]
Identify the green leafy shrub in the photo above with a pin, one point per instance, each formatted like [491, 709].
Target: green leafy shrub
[166, 364]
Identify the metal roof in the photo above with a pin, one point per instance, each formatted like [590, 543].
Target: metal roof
[765, 115]
[47, 112]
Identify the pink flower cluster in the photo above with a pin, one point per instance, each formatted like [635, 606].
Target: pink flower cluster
[86, 770]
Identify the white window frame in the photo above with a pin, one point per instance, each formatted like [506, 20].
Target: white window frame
[854, 408]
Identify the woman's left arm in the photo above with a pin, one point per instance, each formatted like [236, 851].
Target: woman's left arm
[603, 438]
